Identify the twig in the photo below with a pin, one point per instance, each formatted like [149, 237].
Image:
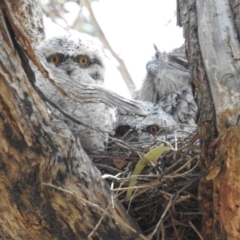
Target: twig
[160, 220]
[166, 142]
[163, 231]
[122, 68]
[93, 205]
[111, 177]
[175, 140]
[174, 180]
[100, 220]
[126, 134]
[193, 227]
[58, 188]
[73, 193]
[99, 165]
[183, 166]
[112, 198]
[174, 226]
[135, 187]
[182, 174]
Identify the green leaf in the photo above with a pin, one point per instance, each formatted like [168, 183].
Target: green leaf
[151, 156]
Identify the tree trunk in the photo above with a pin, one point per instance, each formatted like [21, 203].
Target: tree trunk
[211, 31]
[49, 187]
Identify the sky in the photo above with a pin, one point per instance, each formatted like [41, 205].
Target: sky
[131, 27]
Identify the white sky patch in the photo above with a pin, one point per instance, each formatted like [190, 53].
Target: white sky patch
[131, 27]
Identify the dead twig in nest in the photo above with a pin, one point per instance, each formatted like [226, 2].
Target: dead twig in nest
[164, 200]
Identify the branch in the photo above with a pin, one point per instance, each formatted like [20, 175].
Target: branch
[122, 68]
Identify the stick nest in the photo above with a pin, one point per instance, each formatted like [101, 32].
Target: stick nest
[164, 201]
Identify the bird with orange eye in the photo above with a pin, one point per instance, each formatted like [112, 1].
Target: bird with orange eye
[155, 124]
[133, 134]
[79, 58]
[59, 58]
[72, 60]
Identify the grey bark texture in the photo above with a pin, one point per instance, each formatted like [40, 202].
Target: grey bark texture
[49, 187]
[211, 31]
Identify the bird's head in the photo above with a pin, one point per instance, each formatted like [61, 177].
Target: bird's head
[79, 58]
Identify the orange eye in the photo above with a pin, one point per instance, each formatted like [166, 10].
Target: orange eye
[55, 59]
[121, 130]
[153, 129]
[83, 61]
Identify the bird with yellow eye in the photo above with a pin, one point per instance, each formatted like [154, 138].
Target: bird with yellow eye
[80, 59]
[56, 59]
[83, 61]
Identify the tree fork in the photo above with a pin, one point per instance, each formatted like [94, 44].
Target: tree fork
[49, 187]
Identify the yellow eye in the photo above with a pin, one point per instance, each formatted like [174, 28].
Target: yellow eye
[83, 61]
[55, 59]
[153, 129]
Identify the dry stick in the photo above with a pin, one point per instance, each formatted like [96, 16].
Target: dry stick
[122, 144]
[126, 134]
[58, 188]
[111, 177]
[100, 165]
[182, 174]
[73, 193]
[100, 220]
[184, 159]
[192, 213]
[193, 227]
[188, 146]
[130, 201]
[175, 140]
[104, 156]
[185, 186]
[93, 205]
[177, 223]
[166, 142]
[163, 231]
[122, 68]
[121, 183]
[135, 187]
[173, 165]
[173, 224]
[160, 221]
[183, 166]
[112, 199]
[142, 176]
[77, 19]
[112, 187]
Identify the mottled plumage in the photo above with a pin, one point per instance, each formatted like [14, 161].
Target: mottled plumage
[75, 62]
[78, 57]
[167, 83]
[76, 65]
[136, 128]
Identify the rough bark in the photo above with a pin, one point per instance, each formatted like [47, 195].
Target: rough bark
[212, 45]
[49, 187]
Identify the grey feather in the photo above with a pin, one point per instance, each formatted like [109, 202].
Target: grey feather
[141, 126]
[70, 47]
[96, 118]
[168, 84]
[90, 111]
